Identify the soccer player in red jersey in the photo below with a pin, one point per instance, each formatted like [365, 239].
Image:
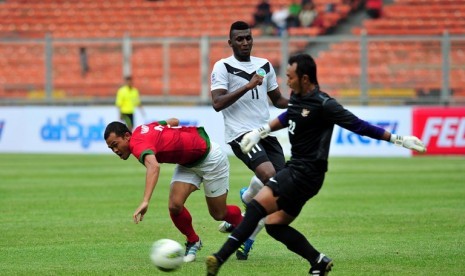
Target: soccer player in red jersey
[198, 160]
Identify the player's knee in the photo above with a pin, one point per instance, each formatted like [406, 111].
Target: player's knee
[175, 208]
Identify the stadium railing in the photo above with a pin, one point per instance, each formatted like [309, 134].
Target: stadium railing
[358, 69]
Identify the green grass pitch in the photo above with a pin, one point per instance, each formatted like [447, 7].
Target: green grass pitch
[72, 215]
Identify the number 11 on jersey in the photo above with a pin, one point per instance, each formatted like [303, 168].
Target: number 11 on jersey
[255, 93]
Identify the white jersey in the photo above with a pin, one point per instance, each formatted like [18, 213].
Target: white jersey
[250, 111]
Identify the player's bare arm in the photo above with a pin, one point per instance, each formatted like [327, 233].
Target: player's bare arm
[221, 99]
[151, 178]
[277, 98]
[386, 136]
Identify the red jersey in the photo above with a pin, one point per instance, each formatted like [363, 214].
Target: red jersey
[184, 145]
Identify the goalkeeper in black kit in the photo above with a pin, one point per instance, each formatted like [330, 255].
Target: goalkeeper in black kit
[310, 119]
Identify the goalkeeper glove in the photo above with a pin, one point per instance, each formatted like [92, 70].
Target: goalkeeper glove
[253, 137]
[408, 142]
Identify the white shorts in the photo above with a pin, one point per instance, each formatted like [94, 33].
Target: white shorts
[213, 172]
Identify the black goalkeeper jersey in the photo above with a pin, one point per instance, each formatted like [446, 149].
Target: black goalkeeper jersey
[311, 119]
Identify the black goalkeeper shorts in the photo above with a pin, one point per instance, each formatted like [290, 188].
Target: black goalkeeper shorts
[295, 186]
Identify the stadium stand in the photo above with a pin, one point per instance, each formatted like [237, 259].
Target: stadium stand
[115, 19]
[396, 65]
[391, 63]
[74, 19]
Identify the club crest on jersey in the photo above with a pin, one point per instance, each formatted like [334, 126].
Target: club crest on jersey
[144, 129]
[305, 112]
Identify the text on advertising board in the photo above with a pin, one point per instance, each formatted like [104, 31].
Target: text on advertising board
[441, 129]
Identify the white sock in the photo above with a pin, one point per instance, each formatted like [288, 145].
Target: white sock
[259, 227]
[254, 186]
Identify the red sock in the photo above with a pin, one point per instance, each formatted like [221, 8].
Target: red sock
[233, 215]
[183, 221]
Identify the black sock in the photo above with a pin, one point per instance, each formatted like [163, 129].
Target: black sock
[294, 240]
[255, 212]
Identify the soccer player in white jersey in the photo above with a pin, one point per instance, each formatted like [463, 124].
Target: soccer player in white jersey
[241, 86]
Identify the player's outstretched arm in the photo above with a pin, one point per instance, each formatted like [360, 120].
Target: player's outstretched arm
[408, 142]
[361, 127]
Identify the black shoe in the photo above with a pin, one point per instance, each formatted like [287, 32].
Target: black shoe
[322, 267]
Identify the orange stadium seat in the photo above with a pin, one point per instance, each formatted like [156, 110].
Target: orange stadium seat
[413, 63]
[139, 18]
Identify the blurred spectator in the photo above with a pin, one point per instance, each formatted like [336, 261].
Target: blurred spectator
[262, 15]
[279, 18]
[374, 8]
[83, 61]
[308, 15]
[293, 18]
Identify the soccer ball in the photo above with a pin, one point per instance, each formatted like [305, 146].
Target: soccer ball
[167, 255]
